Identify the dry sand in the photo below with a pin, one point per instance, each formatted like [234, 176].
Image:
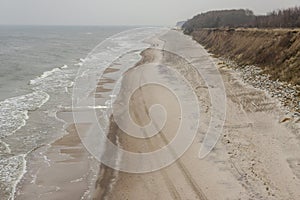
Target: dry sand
[257, 157]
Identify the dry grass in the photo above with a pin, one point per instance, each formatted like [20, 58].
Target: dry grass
[276, 51]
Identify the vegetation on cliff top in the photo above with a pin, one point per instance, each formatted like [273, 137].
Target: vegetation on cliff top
[286, 18]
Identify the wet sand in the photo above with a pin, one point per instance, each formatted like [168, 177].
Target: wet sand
[64, 171]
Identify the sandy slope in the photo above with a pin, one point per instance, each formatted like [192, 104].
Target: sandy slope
[256, 157]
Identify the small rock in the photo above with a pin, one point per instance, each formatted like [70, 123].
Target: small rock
[285, 119]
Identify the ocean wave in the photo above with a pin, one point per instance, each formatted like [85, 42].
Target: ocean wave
[12, 169]
[54, 80]
[14, 111]
[14, 115]
[43, 76]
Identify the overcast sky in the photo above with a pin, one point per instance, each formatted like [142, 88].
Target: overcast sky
[121, 12]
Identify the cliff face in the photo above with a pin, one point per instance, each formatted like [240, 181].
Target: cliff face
[276, 51]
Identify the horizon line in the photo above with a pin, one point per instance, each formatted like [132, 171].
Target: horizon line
[86, 25]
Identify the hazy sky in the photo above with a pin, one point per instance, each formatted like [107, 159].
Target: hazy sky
[121, 12]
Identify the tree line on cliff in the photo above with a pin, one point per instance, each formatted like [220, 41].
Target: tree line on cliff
[285, 18]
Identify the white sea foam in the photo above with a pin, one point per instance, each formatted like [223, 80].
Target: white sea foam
[64, 67]
[22, 171]
[12, 169]
[14, 111]
[44, 75]
[13, 116]
[54, 80]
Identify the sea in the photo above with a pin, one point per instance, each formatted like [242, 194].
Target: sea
[38, 66]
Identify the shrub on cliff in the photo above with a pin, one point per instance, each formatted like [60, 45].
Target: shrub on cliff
[218, 19]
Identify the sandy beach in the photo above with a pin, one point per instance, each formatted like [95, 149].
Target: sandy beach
[252, 160]
[256, 157]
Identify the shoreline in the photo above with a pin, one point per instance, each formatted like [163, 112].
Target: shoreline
[59, 157]
[107, 176]
[253, 158]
